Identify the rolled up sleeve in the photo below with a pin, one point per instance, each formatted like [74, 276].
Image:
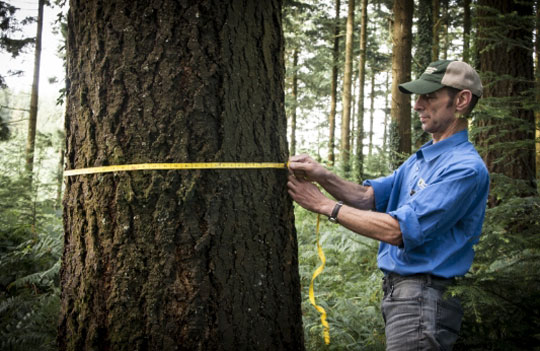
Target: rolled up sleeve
[382, 188]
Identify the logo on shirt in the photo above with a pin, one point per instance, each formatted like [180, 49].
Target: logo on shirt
[422, 184]
[430, 70]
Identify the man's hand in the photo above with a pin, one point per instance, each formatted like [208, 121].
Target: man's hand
[307, 195]
[306, 168]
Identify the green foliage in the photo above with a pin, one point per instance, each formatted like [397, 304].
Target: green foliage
[10, 27]
[348, 288]
[501, 294]
[30, 250]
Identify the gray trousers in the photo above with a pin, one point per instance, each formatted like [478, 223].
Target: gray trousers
[417, 315]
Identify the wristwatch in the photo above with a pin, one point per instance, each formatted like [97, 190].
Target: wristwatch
[333, 216]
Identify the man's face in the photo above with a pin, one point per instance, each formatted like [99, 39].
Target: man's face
[437, 111]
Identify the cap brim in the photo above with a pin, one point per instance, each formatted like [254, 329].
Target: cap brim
[419, 86]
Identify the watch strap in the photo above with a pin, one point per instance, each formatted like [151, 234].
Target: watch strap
[335, 211]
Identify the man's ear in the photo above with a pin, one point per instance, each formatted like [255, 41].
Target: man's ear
[463, 99]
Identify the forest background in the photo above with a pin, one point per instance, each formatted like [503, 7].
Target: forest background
[342, 61]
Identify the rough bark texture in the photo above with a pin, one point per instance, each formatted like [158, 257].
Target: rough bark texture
[400, 128]
[537, 78]
[333, 96]
[506, 141]
[295, 102]
[345, 146]
[177, 260]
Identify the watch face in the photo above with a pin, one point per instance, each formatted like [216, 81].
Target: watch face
[332, 219]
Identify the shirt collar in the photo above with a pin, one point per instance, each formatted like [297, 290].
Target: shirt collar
[430, 151]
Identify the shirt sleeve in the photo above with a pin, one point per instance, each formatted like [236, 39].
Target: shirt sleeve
[438, 207]
[382, 187]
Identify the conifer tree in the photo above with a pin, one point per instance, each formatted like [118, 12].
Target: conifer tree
[400, 128]
[361, 87]
[193, 259]
[506, 127]
[345, 148]
[334, 84]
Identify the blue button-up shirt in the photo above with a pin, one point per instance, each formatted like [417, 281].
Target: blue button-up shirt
[439, 198]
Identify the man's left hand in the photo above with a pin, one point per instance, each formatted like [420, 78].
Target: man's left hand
[307, 195]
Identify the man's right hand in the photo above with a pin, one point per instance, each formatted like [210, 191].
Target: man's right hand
[306, 168]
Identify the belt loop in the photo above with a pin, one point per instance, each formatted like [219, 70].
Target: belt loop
[428, 279]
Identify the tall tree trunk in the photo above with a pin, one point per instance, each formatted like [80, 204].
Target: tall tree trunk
[537, 74]
[333, 96]
[423, 43]
[295, 102]
[436, 29]
[445, 23]
[192, 259]
[466, 30]
[506, 142]
[34, 98]
[345, 148]
[400, 128]
[386, 113]
[371, 112]
[361, 82]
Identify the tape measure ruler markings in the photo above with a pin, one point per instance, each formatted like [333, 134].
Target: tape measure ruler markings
[174, 166]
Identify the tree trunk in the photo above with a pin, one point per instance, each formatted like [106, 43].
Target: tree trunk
[466, 30]
[295, 102]
[423, 43]
[400, 128]
[345, 148]
[34, 98]
[537, 74]
[361, 93]
[386, 113]
[190, 259]
[371, 112]
[445, 24]
[436, 29]
[333, 96]
[506, 140]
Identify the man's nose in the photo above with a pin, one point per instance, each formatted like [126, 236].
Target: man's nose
[418, 105]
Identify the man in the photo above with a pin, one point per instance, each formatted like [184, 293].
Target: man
[428, 213]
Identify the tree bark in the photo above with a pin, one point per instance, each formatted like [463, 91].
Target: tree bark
[466, 30]
[506, 141]
[436, 29]
[34, 97]
[371, 113]
[361, 94]
[400, 128]
[333, 95]
[295, 102]
[537, 78]
[191, 259]
[445, 22]
[423, 43]
[386, 113]
[345, 148]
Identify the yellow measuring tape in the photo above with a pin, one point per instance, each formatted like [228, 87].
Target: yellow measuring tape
[172, 166]
[217, 165]
[324, 322]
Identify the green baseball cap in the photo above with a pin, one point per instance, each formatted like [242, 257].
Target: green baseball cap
[445, 73]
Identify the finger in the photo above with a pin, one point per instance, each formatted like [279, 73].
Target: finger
[299, 158]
